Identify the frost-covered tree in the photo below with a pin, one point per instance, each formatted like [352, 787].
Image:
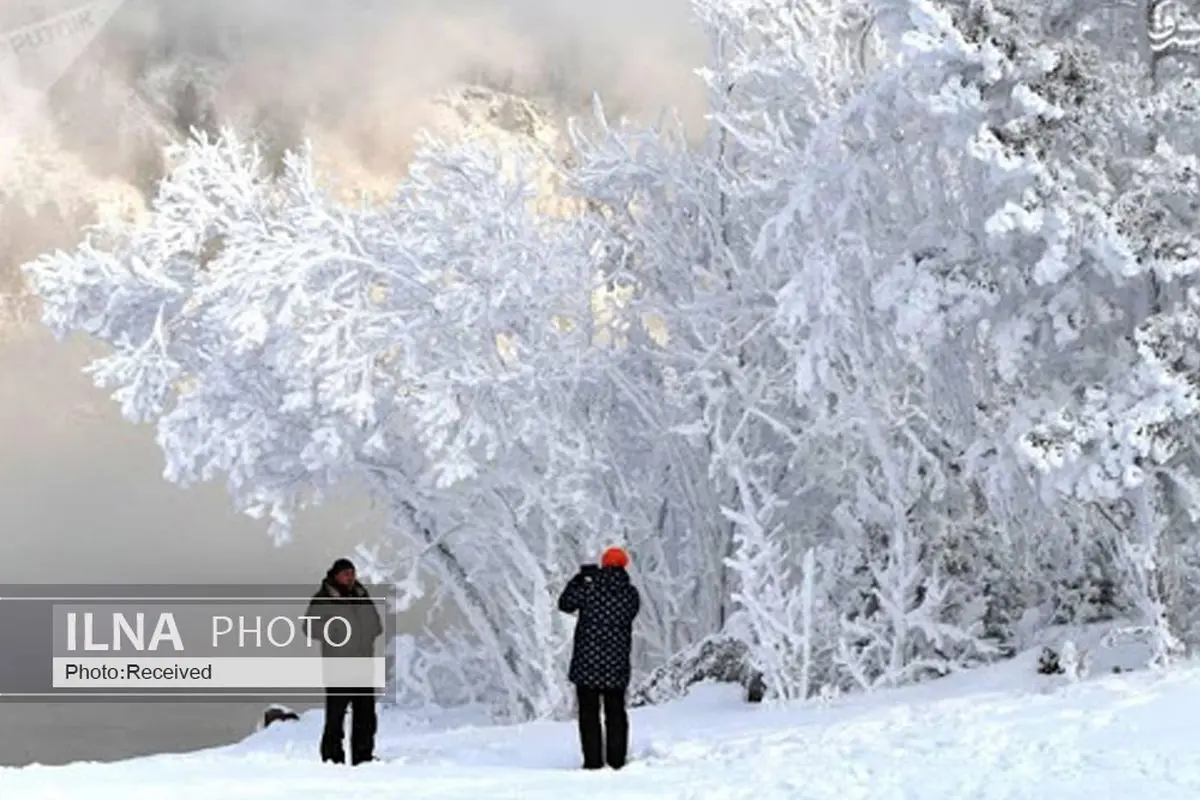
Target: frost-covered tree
[879, 281]
[1126, 195]
[679, 225]
[1081, 242]
[433, 349]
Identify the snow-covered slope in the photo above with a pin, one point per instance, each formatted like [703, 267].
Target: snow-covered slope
[1004, 732]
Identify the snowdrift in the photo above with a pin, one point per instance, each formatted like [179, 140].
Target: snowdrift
[1001, 732]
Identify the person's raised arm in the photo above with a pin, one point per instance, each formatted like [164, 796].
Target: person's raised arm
[573, 596]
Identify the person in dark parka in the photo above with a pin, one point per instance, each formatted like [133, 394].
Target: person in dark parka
[607, 604]
[341, 595]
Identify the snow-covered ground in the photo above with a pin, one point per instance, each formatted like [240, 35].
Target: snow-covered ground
[1002, 732]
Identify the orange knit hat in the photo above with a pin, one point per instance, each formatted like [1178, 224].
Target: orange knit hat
[614, 557]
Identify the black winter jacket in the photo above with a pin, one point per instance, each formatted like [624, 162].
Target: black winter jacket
[359, 610]
[607, 604]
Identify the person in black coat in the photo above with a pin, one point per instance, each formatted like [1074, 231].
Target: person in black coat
[341, 595]
[607, 604]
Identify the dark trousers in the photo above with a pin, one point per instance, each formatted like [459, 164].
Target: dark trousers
[363, 722]
[609, 745]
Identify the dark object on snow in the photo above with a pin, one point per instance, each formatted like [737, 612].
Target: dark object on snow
[277, 714]
[607, 604]
[720, 659]
[340, 594]
[756, 688]
[1048, 663]
[607, 745]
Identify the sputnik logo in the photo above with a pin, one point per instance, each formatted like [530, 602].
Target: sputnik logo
[34, 57]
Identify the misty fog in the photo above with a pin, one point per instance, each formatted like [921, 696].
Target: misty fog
[82, 498]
